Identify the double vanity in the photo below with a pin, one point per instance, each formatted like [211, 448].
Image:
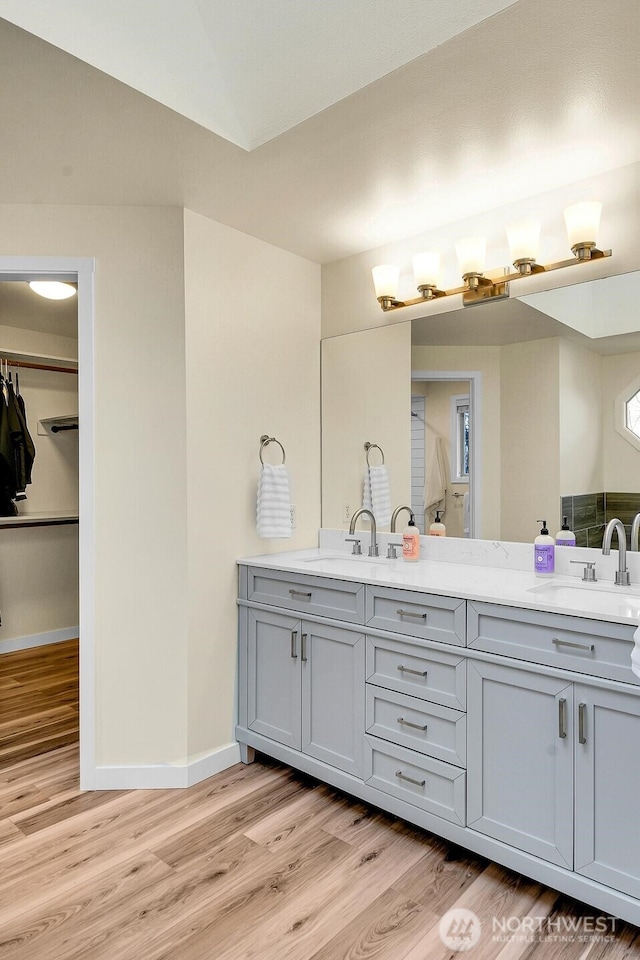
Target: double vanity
[490, 707]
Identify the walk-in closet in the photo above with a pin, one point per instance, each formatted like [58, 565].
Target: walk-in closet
[39, 433]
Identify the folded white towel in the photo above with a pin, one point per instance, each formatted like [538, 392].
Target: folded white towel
[376, 494]
[635, 653]
[273, 514]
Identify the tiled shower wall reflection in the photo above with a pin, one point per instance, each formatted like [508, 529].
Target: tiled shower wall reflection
[588, 514]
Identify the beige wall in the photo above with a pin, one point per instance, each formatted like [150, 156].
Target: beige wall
[366, 396]
[486, 361]
[581, 420]
[529, 420]
[140, 466]
[253, 367]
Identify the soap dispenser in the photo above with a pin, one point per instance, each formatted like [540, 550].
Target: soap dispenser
[565, 537]
[437, 528]
[543, 552]
[411, 541]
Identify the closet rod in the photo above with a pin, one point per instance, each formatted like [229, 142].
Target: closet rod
[41, 366]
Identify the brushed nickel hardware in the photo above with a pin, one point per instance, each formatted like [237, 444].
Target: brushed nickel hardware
[417, 673]
[635, 532]
[570, 643]
[408, 723]
[589, 572]
[356, 550]
[300, 593]
[582, 717]
[265, 440]
[562, 718]
[373, 446]
[294, 643]
[407, 613]
[617, 526]
[303, 656]
[402, 776]
[394, 517]
[391, 550]
[373, 549]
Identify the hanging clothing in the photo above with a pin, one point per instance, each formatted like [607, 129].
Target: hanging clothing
[17, 450]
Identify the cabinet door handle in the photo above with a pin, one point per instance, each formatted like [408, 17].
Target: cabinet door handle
[570, 643]
[407, 613]
[300, 593]
[582, 716]
[562, 717]
[408, 723]
[304, 648]
[294, 639]
[402, 776]
[417, 673]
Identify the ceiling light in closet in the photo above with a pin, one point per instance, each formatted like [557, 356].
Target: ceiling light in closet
[53, 289]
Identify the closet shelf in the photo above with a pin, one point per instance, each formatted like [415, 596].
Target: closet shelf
[52, 519]
[40, 361]
[57, 425]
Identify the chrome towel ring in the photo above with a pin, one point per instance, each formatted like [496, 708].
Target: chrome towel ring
[373, 446]
[265, 440]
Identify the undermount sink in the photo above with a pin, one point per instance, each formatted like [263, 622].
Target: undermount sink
[343, 558]
[598, 586]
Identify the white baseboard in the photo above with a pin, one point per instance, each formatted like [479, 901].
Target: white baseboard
[39, 639]
[161, 776]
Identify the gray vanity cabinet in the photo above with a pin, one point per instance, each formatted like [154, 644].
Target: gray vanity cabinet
[520, 759]
[305, 687]
[607, 772]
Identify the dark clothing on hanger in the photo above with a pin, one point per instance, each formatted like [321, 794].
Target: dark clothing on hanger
[17, 450]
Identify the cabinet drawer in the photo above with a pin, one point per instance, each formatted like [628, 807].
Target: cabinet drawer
[433, 786]
[417, 671]
[436, 731]
[422, 615]
[339, 599]
[592, 647]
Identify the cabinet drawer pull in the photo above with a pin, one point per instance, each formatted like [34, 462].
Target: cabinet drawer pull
[300, 593]
[294, 639]
[303, 656]
[407, 613]
[570, 643]
[562, 718]
[402, 776]
[582, 716]
[417, 673]
[408, 723]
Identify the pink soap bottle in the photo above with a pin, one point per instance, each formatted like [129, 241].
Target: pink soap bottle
[411, 541]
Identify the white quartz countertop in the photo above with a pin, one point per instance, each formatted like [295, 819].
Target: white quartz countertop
[559, 594]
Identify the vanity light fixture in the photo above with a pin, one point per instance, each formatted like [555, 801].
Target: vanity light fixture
[582, 221]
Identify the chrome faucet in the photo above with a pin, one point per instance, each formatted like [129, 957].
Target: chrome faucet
[635, 530]
[373, 549]
[622, 574]
[394, 517]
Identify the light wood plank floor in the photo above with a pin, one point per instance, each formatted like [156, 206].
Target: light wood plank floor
[38, 700]
[258, 863]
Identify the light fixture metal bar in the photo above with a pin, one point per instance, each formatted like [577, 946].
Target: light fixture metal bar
[488, 289]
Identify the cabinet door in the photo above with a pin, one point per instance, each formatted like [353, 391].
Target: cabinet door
[273, 676]
[333, 696]
[608, 787]
[520, 759]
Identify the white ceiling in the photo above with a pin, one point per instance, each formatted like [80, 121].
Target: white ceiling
[248, 69]
[540, 95]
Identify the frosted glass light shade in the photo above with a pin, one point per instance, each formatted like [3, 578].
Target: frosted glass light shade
[426, 269]
[472, 253]
[53, 289]
[385, 280]
[524, 240]
[583, 221]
